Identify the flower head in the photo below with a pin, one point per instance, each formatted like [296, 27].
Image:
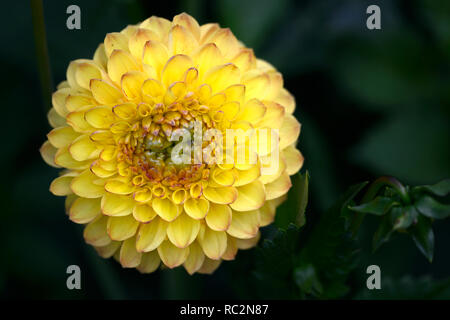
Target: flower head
[118, 123]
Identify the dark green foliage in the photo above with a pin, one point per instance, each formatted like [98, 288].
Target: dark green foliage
[405, 209]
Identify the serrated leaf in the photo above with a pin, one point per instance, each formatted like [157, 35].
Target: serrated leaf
[275, 263]
[378, 206]
[441, 189]
[423, 237]
[432, 208]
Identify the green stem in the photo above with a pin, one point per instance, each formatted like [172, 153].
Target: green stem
[372, 192]
[40, 39]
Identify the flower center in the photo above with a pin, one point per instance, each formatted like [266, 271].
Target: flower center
[146, 151]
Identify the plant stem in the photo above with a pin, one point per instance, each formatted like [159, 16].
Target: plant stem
[40, 39]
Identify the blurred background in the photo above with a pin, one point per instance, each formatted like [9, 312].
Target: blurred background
[371, 103]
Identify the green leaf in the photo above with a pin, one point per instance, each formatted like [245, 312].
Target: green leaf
[423, 237]
[378, 206]
[306, 279]
[275, 264]
[404, 217]
[383, 232]
[330, 247]
[440, 189]
[432, 208]
[303, 182]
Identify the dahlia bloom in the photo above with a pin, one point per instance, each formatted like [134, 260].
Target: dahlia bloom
[113, 122]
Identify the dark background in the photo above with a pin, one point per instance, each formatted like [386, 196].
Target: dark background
[371, 103]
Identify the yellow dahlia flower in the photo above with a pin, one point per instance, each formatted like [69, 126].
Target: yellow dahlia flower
[113, 120]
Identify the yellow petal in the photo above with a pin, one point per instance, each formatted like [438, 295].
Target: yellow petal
[278, 187]
[272, 175]
[226, 42]
[207, 31]
[189, 23]
[253, 111]
[166, 209]
[195, 258]
[100, 117]
[172, 256]
[151, 235]
[95, 232]
[247, 176]
[62, 136]
[144, 213]
[181, 41]
[100, 56]
[207, 57]
[82, 148]
[48, 153]
[129, 256]
[219, 217]
[222, 195]
[223, 76]
[86, 185]
[224, 178]
[152, 88]
[232, 249]
[256, 86]
[158, 25]
[244, 225]
[116, 205]
[119, 63]
[125, 111]
[155, 55]
[115, 41]
[196, 208]
[59, 101]
[267, 213]
[119, 187]
[143, 195]
[150, 261]
[209, 266]
[137, 42]
[78, 102]
[77, 121]
[55, 119]
[121, 228]
[286, 100]
[61, 185]
[131, 84]
[213, 243]
[175, 69]
[235, 92]
[274, 116]
[245, 244]
[85, 72]
[109, 250]
[294, 160]
[84, 210]
[276, 84]
[64, 159]
[104, 92]
[230, 110]
[250, 197]
[289, 131]
[183, 231]
[245, 60]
